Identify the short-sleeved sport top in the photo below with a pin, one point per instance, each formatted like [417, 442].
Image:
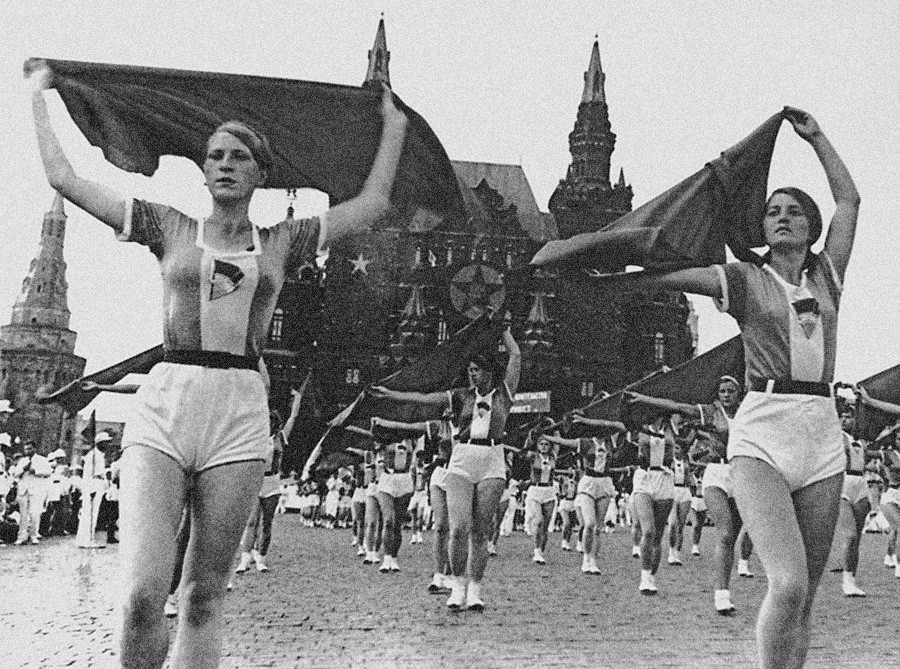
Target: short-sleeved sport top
[217, 300]
[594, 453]
[789, 332]
[481, 416]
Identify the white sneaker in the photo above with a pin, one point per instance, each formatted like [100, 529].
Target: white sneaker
[538, 557]
[230, 585]
[244, 563]
[171, 607]
[491, 548]
[457, 593]
[890, 561]
[473, 597]
[393, 564]
[635, 551]
[744, 569]
[722, 599]
[675, 558]
[360, 551]
[565, 545]
[437, 584]
[849, 586]
[353, 540]
[385, 564]
[695, 550]
[260, 562]
[648, 583]
[589, 565]
[579, 546]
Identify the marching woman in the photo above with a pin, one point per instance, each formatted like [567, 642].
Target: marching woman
[681, 504]
[202, 415]
[784, 443]
[541, 495]
[571, 523]
[595, 488]
[718, 489]
[359, 508]
[476, 474]
[395, 488]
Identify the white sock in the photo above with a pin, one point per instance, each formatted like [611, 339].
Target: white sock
[722, 599]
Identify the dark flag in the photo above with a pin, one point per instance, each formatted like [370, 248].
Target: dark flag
[884, 386]
[324, 136]
[693, 382]
[691, 223]
[89, 433]
[73, 399]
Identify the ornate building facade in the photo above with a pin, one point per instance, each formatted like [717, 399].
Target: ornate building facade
[37, 347]
[386, 296]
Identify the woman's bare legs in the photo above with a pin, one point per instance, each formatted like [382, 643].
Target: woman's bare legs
[727, 522]
[153, 489]
[792, 533]
[441, 530]
[221, 501]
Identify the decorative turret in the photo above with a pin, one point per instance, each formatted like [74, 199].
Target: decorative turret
[537, 327]
[413, 323]
[585, 200]
[379, 57]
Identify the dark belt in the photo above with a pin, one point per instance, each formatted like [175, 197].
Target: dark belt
[855, 472]
[680, 485]
[214, 359]
[481, 442]
[595, 473]
[654, 468]
[791, 387]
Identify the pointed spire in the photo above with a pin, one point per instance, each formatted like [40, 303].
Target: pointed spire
[415, 307]
[379, 57]
[594, 78]
[537, 335]
[621, 183]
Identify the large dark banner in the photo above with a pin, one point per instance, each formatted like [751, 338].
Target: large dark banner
[883, 386]
[324, 136]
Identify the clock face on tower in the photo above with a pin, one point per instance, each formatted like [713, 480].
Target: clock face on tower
[475, 288]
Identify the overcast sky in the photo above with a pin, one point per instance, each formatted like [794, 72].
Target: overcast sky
[499, 82]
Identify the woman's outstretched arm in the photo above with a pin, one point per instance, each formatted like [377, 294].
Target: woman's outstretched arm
[359, 213]
[97, 200]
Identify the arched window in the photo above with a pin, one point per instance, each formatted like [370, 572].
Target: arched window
[659, 348]
[277, 325]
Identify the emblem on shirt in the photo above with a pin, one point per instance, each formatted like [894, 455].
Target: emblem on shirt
[226, 278]
[808, 314]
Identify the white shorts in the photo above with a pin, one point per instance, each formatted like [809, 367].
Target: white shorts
[359, 495]
[855, 488]
[331, 503]
[718, 475]
[654, 482]
[200, 417]
[419, 500]
[477, 463]
[698, 504]
[799, 435]
[681, 494]
[567, 505]
[540, 494]
[596, 487]
[396, 485]
[890, 496]
[438, 476]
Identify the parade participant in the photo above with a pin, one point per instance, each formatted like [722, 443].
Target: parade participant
[698, 504]
[571, 517]
[595, 490]
[332, 499]
[358, 501]
[506, 509]
[541, 495]
[418, 503]
[202, 415]
[681, 504]
[374, 464]
[33, 472]
[785, 440]
[395, 488]
[476, 474]
[93, 485]
[258, 530]
[718, 490]
[345, 499]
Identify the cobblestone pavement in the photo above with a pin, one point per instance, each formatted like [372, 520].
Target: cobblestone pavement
[320, 607]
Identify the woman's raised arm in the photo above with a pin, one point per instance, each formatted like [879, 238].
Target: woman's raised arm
[100, 202]
[359, 213]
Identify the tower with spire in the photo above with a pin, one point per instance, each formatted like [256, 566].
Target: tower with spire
[586, 200]
[37, 347]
